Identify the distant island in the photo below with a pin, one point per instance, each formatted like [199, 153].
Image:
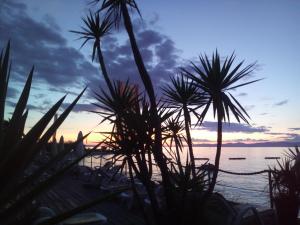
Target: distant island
[259, 144]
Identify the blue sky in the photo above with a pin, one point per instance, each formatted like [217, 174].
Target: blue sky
[171, 34]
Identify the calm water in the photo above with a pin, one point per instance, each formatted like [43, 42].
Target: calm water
[249, 189]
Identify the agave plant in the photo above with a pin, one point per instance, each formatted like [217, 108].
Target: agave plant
[20, 182]
[284, 178]
[286, 190]
[293, 154]
[217, 79]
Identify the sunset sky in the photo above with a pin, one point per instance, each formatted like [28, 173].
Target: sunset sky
[170, 34]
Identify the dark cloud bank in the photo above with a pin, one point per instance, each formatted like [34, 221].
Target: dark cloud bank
[39, 43]
[232, 127]
[284, 102]
[61, 66]
[290, 139]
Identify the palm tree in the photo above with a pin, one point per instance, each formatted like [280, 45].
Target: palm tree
[95, 30]
[133, 128]
[184, 96]
[172, 136]
[217, 80]
[117, 10]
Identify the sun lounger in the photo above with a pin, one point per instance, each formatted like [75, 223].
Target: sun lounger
[85, 218]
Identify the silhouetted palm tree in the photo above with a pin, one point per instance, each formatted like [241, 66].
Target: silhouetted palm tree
[117, 10]
[95, 30]
[172, 136]
[131, 139]
[184, 96]
[217, 79]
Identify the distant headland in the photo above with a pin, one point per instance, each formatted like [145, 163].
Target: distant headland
[258, 144]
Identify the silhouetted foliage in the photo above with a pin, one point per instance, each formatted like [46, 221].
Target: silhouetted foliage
[217, 79]
[25, 169]
[185, 97]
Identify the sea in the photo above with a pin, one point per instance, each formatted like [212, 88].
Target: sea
[253, 189]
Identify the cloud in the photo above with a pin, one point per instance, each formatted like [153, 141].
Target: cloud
[294, 128]
[12, 92]
[201, 140]
[249, 140]
[263, 114]
[81, 107]
[281, 103]
[232, 127]
[277, 133]
[59, 66]
[159, 53]
[38, 107]
[242, 94]
[41, 43]
[10, 104]
[293, 137]
[154, 20]
[249, 107]
[287, 136]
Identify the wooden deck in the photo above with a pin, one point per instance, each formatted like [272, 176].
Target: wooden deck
[70, 193]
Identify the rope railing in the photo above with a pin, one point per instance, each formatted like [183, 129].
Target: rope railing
[244, 174]
[210, 167]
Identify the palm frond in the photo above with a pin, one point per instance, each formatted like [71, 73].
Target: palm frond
[94, 30]
[113, 9]
[216, 79]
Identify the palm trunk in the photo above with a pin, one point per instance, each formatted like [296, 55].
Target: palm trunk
[178, 156]
[103, 68]
[189, 140]
[135, 192]
[158, 154]
[218, 154]
[138, 57]
[144, 178]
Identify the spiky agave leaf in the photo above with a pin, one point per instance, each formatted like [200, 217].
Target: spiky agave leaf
[293, 153]
[23, 199]
[32, 152]
[39, 171]
[7, 171]
[20, 149]
[14, 130]
[4, 78]
[284, 178]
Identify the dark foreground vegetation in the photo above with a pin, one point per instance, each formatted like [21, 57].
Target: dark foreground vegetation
[147, 132]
